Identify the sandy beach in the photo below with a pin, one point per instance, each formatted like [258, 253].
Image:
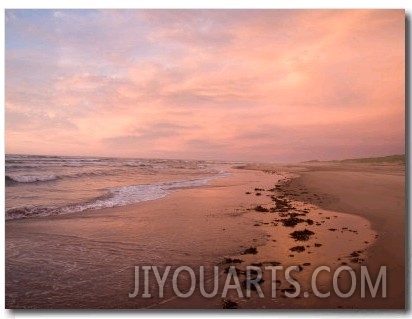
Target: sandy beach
[377, 193]
[86, 260]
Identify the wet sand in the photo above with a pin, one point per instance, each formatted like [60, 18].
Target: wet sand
[87, 260]
[375, 192]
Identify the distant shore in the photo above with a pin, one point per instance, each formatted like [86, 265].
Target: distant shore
[86, 260]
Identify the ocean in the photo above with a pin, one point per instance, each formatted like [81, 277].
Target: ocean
[86, 258]
[52, 185]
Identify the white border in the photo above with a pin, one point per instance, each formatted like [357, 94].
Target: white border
[125, 4]
[155, 4]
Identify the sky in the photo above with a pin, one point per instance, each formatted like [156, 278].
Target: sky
[242, 85]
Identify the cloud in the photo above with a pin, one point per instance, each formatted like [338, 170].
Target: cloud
[229, 84]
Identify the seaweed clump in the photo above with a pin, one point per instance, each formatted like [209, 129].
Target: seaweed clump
[229, 304]
[298, 249]
[301, 235]
[250, 250]
[261, 209]
[228, 260]
[282, 205]
[291, 221]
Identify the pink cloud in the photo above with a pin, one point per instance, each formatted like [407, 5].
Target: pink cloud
[229, 84]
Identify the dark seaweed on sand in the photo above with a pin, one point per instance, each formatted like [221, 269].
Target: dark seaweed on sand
[282, 205]
[229, 304]
[298, 249]
[291, 221]
[309, 221]
[232, 261]
[289, 290]
[250, 250]
[355, 254]
[301, 235]
[259, 208]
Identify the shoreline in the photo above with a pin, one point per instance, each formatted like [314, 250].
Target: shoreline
[110, 197]
[379, 197]
[281, 251]
[374, 192]
[189, 227]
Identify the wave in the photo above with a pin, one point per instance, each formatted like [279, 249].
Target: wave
[11, 178]
[52, 164]
[30, 178]
[26, 177]
[116, 196]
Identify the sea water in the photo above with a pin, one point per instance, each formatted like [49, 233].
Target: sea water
[51, 185]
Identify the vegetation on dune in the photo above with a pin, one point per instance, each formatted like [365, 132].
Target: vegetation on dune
[397, 159]
[383, 159]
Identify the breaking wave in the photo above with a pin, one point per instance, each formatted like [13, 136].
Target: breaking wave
[116, 196]
[30, 178]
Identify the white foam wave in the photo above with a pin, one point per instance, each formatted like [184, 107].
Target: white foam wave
[31, 178]
[126, 195]
[117, 196]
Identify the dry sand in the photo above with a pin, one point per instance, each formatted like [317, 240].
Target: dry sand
[87, 260]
